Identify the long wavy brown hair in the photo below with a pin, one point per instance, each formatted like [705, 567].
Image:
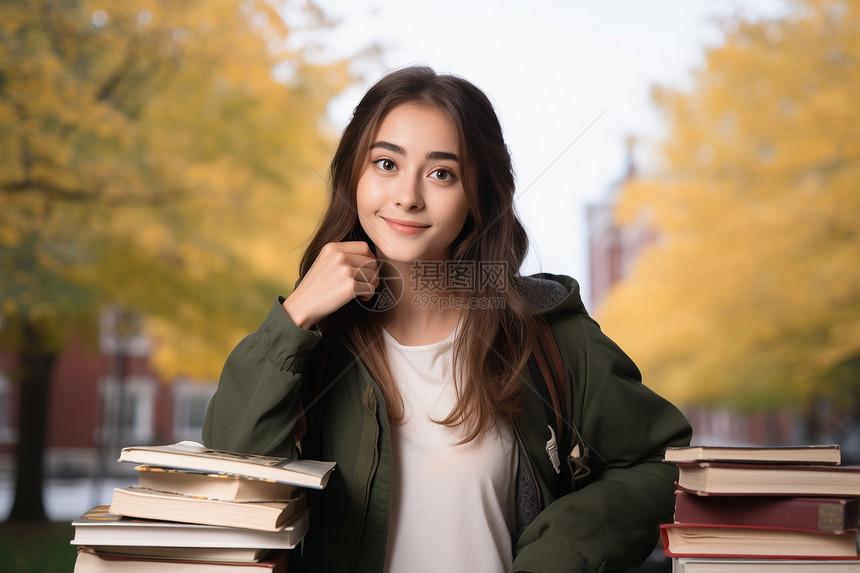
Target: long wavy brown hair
[496, 340]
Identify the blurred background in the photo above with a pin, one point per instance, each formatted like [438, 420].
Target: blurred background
[695, 164]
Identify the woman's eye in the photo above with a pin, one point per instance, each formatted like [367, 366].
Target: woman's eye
[443, 175]
[386, 164]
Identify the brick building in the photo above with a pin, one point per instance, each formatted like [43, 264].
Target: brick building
[105, 395]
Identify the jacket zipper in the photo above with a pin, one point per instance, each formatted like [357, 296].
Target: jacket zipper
[531, 467]
[371, 404]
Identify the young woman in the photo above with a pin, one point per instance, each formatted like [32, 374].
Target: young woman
[413, 354]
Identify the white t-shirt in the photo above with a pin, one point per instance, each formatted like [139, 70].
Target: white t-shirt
[452, 505]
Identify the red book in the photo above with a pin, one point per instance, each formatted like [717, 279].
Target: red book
[831, 514]
[700, 540]
[711, 478]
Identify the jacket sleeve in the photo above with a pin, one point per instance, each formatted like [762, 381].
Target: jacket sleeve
[257, 403]
[610, 524]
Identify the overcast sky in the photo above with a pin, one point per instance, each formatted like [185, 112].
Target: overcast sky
[570, 79]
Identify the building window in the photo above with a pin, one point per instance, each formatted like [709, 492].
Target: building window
[128, 411]
[8, 434]
[190, 400]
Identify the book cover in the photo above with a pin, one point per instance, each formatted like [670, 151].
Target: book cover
[818, 454]
[100, 527]
[832, 514]
[699, 540]
[193, 456]
[143, 503]
[732, 565]
[226, 487]
[232, 554]
[90, 561]
[714, 478]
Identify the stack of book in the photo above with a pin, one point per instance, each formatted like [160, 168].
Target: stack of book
[198, 509]
[756, 510]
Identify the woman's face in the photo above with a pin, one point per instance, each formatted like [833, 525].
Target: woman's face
[410, 196]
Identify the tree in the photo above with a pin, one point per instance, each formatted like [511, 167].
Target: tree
[162, 156]
[752, 296]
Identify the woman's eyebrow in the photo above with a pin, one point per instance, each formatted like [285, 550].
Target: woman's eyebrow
[394, 148]
[437, 155]
[388, 146]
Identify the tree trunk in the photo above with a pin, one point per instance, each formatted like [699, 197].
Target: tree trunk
[37, 358]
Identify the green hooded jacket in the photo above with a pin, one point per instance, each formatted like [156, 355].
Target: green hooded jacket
[605, 522]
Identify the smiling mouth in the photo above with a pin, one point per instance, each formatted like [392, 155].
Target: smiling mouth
[405, 227]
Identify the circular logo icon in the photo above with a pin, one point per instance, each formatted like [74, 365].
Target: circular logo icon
[388, 292]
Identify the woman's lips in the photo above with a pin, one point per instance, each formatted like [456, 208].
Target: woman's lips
[405, 227]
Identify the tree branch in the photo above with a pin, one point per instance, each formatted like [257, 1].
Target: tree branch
[51, 30]
[110, 85]
[81, 195]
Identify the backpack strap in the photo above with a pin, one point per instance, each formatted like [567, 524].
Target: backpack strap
[554, 390]
[552, 371]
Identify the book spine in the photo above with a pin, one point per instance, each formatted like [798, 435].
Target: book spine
[844, 546]
[808, 514]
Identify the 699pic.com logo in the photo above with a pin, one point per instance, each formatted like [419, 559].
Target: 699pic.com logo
[388, 292]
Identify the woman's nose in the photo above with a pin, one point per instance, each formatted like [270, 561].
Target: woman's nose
[408, 194]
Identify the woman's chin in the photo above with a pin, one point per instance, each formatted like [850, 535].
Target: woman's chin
[410, 259]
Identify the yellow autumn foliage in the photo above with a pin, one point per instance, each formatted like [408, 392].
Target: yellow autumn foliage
[160, 155]
[752, 293]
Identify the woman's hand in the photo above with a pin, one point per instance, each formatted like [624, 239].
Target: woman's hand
[340, 272]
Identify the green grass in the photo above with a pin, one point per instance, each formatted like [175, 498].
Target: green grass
[37, 548]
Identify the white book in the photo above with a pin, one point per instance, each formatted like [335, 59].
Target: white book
[817, 454]
[267, 516]
[193, 456]
[99, 527]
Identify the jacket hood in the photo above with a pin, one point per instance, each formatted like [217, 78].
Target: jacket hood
[547, 293]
